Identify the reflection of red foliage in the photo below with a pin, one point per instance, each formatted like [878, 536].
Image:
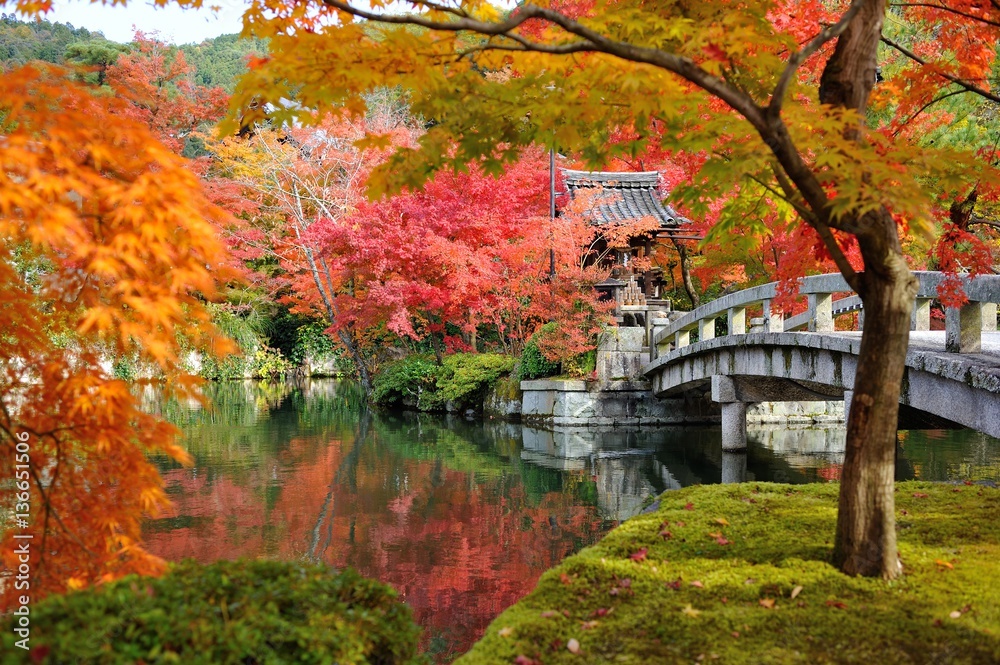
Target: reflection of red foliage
[459, 548]
[831, 472]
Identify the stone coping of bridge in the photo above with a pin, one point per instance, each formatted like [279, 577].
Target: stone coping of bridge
[983, 288]
[926, 353]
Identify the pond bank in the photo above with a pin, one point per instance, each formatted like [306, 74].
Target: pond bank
[741, 574]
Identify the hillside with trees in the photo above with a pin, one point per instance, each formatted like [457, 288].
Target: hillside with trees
[217, 62]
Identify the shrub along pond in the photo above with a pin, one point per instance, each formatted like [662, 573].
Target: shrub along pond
[226, 613]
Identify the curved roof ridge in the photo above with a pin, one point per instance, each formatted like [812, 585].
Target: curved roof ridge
[629, 195]
[581, 178]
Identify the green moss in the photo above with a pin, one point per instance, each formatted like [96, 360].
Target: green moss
[229, 612]
[508, 387]
[779, 538]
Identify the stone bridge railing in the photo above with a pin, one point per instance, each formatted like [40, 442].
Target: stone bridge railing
[963, 326]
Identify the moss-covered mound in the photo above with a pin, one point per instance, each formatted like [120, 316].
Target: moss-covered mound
[741, 574]
[229, 612]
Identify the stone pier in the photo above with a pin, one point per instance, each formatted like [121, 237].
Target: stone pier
[734, 394]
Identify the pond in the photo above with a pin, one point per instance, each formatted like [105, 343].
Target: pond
[461, 517]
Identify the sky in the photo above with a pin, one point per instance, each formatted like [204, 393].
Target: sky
[176, 25]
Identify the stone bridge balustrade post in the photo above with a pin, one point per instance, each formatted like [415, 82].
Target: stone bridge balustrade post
[989, 317]
[659, 324]
[820, 312]
[773, 321]
[921, 319]
[963, 328]
[682, 339]
[706, 329]
[736, 320]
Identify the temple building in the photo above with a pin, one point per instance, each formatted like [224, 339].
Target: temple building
[623, 197]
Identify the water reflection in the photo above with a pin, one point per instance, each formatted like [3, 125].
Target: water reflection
[461, 517]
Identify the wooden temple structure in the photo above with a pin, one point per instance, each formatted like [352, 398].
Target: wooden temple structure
[622, 197]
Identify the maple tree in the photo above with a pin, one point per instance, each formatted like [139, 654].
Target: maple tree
[160, 84]
[776, 92]
[108, 250]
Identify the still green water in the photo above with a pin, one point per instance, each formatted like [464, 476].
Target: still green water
[461, 517]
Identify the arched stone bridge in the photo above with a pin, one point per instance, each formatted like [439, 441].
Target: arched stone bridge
[953, 374]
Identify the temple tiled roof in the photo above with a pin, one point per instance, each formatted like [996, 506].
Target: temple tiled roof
[625, 196]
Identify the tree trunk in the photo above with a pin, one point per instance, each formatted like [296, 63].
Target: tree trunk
[692, 293]
[359, 361]
[865, 542]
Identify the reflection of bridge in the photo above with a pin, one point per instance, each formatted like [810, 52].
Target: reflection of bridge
[954, 373]
[629, 466]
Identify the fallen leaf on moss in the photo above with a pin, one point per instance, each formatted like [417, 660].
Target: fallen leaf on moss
[766, 603]
[573, 646]
[688, 506]
[796, 591]
[920, 495]
[600, 611]
[836, 603]
[506, 631]
[666, 535]
[697, 584]
[944, 564]
[565, 579]
[722, 520]
[548, 614]
[956, 615]
[524, 660]
[715, 534]
[639, 555]
[690, 611]
[722, 541]
[680, 525]
[587, 625]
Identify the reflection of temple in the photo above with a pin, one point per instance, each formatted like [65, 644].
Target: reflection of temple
[622, 198]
